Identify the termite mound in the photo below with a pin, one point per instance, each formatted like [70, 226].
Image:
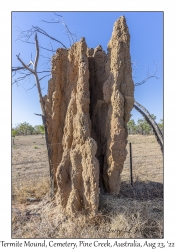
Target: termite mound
[90, 97]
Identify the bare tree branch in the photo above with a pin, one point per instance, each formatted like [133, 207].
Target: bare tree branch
[37, 53]
[57, 14]
[146, 79]
[69, 33]
[21, 78]
[14, 74]
[44, 77]
[31, 87]
[49, 22]
[52, 48]
[19, 68]
[43, 71]
[46, 57]
[21, 85]
[39, 46]
[39, 30]
[25, 66]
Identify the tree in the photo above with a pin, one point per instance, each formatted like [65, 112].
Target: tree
[131, 127]
[140, 126]
[161, 125]
[14, 133]
[143, 126]
[24, 129]
[39, 129]
[153, 117]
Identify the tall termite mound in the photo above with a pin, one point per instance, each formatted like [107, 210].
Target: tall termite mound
[90, 96]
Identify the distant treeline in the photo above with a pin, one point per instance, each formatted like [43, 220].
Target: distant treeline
[27, 129]
[142, 127]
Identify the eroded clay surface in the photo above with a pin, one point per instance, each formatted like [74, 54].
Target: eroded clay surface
[88, 105]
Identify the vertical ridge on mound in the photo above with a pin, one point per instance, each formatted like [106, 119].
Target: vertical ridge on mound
[88, 105]
[69, 129]
[118, 92]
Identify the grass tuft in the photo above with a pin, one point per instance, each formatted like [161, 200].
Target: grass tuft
[30, 189]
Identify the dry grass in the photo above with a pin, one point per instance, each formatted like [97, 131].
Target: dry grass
[117, 218]
[136, 213]
[22, 191]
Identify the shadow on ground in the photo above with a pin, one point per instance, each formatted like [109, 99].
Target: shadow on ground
[142, 190]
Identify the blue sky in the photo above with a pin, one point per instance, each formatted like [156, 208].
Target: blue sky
[146, 47]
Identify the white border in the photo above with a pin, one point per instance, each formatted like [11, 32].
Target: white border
[5, 100]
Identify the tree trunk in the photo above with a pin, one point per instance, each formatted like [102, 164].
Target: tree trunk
[151, 122]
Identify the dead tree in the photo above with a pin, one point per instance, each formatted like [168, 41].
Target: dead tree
[43, 115]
